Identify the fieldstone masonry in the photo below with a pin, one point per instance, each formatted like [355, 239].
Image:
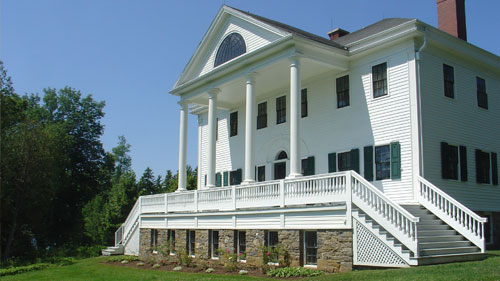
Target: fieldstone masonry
[334, 246]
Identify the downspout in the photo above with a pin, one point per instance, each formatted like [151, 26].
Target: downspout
[419, 103]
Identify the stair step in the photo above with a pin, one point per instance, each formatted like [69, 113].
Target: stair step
[434, 238]
[430, 222]
[445, 244]
[433, 227]
[443, 232]
[437, 259]
[446, 251]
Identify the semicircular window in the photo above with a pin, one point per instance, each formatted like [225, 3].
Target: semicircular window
[232, 46]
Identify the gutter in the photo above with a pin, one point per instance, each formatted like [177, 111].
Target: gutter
[419, 102]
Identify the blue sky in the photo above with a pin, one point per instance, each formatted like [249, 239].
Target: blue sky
[129, 53]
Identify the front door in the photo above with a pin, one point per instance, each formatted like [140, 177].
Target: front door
[279, 170]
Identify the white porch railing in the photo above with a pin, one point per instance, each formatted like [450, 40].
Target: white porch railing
[459, 217]
[342, 187]
[391, 216]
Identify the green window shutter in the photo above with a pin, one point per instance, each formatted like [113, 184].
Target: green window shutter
[205, 180]
[218, 179]
[368, 155]
[238, 176]
[332, 162]
[226, 178]
[355, 160]
[478, 166]
[444, 160]
[395, 160]
[463, 163]
[310, 164]
[494, 168]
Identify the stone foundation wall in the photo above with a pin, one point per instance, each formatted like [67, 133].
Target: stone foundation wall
[334, 246]
[335, 250]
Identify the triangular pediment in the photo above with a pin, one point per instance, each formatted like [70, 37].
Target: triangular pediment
[255, 33]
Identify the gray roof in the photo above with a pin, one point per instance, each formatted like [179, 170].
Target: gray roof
[371, 30]
[339, 42]
[293, 30]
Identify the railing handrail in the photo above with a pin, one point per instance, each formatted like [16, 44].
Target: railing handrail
[398, 207]
[313, 177]
[452, 200]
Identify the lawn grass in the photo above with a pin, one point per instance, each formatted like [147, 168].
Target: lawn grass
[95, 269]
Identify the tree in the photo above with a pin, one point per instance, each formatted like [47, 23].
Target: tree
[122, 159]
[147, 184]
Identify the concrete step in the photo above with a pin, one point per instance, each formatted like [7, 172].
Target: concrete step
[448, 251]
[430, 222]
[444, 238]
[445, 244]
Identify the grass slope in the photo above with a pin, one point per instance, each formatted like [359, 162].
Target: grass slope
[94, 269]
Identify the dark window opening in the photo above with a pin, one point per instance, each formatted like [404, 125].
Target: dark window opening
[171, 241]
[281, 110]
[242, 245]
[233, 121]
[271, 242]
[344, 161]
[191, 242]
[232, 46]
[261, 173]
[311, 247]
[449, 81]
[235, 177]
[214, 243]
[303, 98]
[379, 78]
[262, 115]
[483, 166]
[382, 162]
[482, 97]
[343, 91]
[449, 161]
[154, 239]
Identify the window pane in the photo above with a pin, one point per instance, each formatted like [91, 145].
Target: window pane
[343, 91]
[281, 110]
[382, 162]
[233, 120]
[482, 97]
[232, 46]
[262, 115]
[379, 78]
[344, 161]
[261, 173]
[242, 242]
[311, 247]
[303, 97]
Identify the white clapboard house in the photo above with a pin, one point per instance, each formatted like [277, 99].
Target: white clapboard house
[388, 135]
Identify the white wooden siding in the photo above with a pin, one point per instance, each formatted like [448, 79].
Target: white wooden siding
[132, 245]
[367, 121]
[255, 37]
[459, 121]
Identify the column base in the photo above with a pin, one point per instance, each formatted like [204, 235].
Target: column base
[247, 182]
[181, 190]
[294, 176]
[209, 186]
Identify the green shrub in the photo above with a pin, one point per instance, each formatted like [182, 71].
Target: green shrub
[285, 272]
[121, 258]
[21, 269]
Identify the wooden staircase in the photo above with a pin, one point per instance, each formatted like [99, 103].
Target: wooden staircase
[438, 242]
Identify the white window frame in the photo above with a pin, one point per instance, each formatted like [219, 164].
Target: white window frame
[459, 168]
[213, 252]
[169, 235]
[238, 245]
[191, 250]
[372, 90]
[305, 251]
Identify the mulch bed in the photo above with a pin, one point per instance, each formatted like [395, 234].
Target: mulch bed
[218, 269]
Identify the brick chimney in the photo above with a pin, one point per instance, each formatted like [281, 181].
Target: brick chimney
[451, 17]
[336, 33]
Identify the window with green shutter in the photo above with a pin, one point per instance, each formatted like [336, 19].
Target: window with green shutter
[235, 177]
[355, 160]
[382, 162]
[463, 163]
[486, 167]
[368, 162]
[494, 168]
[226, 178]
[395, 160]
[218, 179]
[332, 162]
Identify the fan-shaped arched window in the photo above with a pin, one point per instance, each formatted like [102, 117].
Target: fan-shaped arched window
[281, 155]
[232, 46]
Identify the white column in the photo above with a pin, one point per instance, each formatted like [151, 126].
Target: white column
[249, 130]
[212, 119]
[183, 123]
[295, 118]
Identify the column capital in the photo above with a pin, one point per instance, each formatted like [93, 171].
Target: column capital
[294, 59]
[251, 77]
[213, 92]
[183, 104]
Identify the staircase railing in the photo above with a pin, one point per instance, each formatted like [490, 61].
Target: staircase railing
[119, 236]
[127, 226]
[455, 214]
[388, 214]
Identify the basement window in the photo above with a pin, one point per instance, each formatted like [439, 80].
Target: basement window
[191, 234]
[171, 241]
[154, 239]
[310, 248]
[214, 243]
[271, 241]
[241, 245]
